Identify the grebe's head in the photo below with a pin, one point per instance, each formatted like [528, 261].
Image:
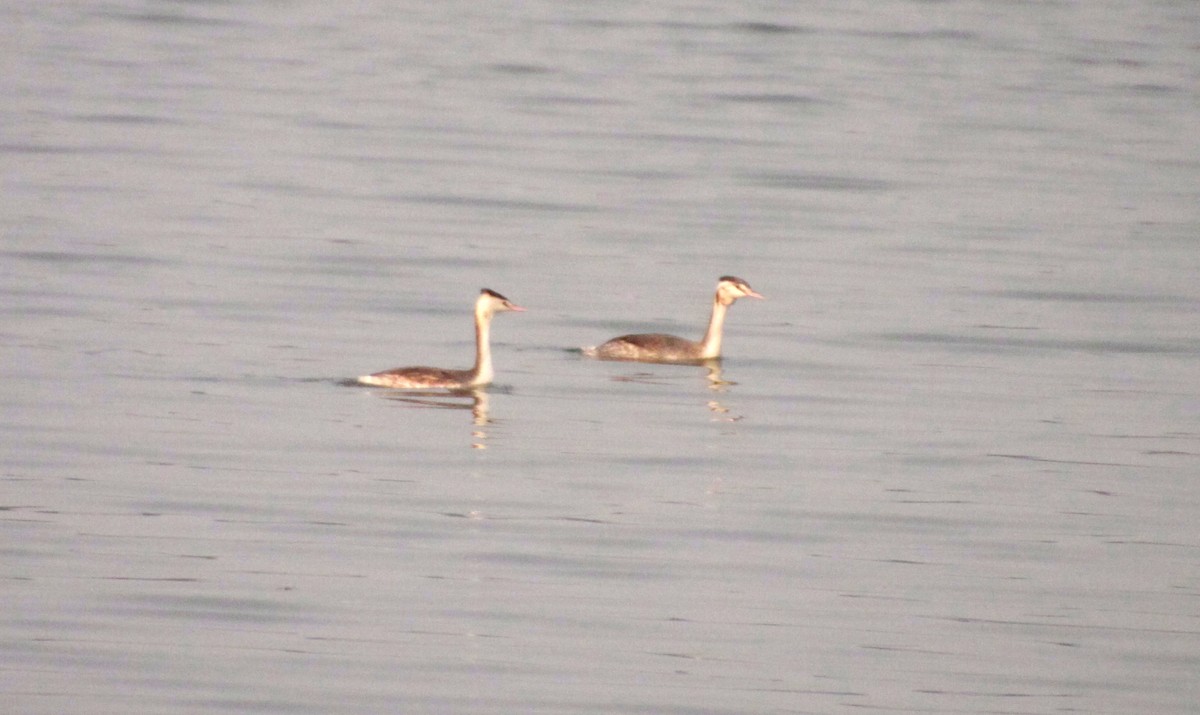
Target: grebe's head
[492, 302]
[730, 288]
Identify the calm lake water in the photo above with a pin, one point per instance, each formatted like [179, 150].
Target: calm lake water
[951, 464]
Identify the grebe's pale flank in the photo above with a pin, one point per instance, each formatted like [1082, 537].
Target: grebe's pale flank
[488, 304]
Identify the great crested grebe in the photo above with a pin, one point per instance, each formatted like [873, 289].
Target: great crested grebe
[656, 347]
[489, 303]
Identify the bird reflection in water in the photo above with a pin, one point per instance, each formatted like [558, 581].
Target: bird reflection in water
[475, 400]
[716, 383]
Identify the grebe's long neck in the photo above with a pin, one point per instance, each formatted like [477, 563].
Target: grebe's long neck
[482, 373]
[710, 346]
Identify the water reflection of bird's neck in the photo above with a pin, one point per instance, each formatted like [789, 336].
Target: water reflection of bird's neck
[479, 418]
[479, 407]
[715, 381]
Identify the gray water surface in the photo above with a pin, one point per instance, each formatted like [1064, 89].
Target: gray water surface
[951, 464]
